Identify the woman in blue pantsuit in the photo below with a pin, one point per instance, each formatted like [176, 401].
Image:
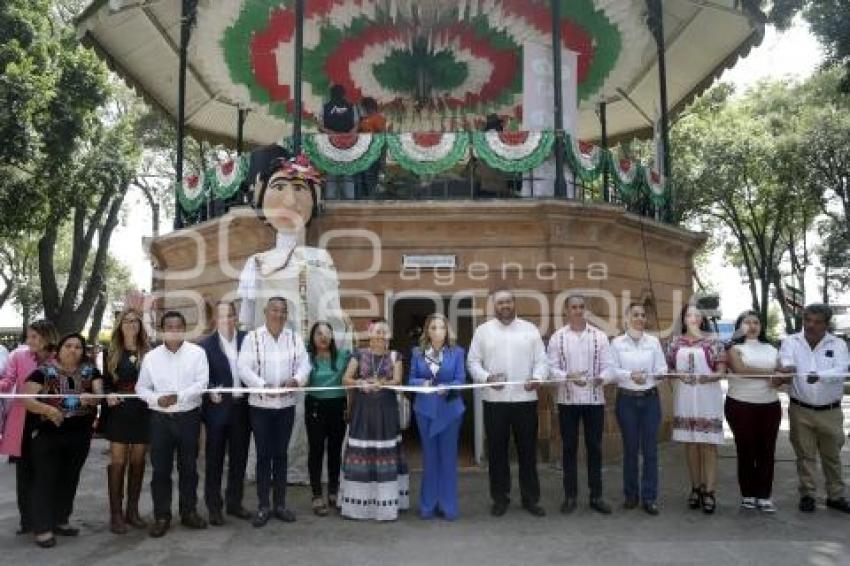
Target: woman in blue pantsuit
[438, 361]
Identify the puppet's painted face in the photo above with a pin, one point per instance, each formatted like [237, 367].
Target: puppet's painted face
[287, 203]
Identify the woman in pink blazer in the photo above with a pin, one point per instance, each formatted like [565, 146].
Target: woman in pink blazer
[40, 344]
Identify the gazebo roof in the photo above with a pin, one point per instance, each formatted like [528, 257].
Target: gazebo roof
[240, 56]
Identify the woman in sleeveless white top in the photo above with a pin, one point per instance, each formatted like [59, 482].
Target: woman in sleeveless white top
[753, 410]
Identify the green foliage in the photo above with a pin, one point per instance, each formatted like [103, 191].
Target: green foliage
[739, 171]
[829, 21]
[67, 161]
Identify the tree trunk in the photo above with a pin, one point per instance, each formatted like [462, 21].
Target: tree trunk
[7, 290]
[97, 317]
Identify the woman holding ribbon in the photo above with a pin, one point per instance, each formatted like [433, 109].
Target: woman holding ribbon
[375, 479]
[699, 359]
[127, 420]
[753, 410]
[438, 361]
[324, 413]
[639, 365]
[60, 427]
[41, 339]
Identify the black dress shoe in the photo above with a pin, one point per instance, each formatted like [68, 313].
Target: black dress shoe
[534, 509]
[261, 518]
[568, 506]
[159, 528]
[807, 504]
[499, 508]
[240, 513]
[192, 520]
[66, 531]
[630, 504]
[600, 506]
[46, 543]
[284, 514]
[839, 504]
[651, 507]
[216, 518]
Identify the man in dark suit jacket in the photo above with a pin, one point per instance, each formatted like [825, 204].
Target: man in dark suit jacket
[226, 419]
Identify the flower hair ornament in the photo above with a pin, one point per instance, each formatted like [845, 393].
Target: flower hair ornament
[275, 160]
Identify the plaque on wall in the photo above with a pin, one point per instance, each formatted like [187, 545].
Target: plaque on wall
[429, 261]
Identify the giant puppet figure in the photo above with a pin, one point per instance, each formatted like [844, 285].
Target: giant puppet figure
[284, 192]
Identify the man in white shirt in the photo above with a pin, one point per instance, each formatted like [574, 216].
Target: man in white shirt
[273, 356]
[507, 348]
[226, 418]
[580, 353]
[171, 381]
[817, 362]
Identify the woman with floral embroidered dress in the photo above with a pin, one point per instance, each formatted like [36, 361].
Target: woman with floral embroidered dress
[699, 359]
[375, 479]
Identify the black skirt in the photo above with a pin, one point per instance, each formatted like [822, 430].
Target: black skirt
[129, 422]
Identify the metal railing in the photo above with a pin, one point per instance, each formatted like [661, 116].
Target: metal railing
[472, 181]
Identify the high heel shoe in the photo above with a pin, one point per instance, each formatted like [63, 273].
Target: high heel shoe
[695, 498]
[709, 502]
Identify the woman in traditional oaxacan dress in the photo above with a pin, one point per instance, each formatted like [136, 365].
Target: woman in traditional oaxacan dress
[375, 480]
[700, 360]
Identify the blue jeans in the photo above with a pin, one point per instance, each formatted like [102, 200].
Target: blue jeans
[639, 418]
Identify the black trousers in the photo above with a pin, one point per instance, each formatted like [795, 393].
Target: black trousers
[325, 423]
[23, 482]
[56, 459]
[170, 433]
[593, 418]
[500, 419]
[228, 428]
[272, 429]
[755, 427]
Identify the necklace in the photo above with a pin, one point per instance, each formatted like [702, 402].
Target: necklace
[377, 368]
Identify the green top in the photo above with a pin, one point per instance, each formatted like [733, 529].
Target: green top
[323, 375]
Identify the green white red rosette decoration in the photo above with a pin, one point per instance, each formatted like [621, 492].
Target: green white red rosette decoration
[221, 182]
[513, 152]
[586, 161]
[192, 192]
[654, 181]
[344, 154]
[228, 176]
[428, 153]
[627, 175]
[471, 51]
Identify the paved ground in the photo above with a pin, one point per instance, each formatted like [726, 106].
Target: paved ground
[677, 536]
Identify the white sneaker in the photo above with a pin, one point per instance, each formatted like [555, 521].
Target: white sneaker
[766, 506]
[748, 503]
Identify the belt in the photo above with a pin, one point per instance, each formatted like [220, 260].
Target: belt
[829, 407]
[652, 392]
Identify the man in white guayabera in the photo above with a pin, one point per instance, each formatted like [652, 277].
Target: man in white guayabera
[284, 192]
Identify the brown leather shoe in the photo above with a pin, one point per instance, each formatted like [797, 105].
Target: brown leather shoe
[115, 482]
